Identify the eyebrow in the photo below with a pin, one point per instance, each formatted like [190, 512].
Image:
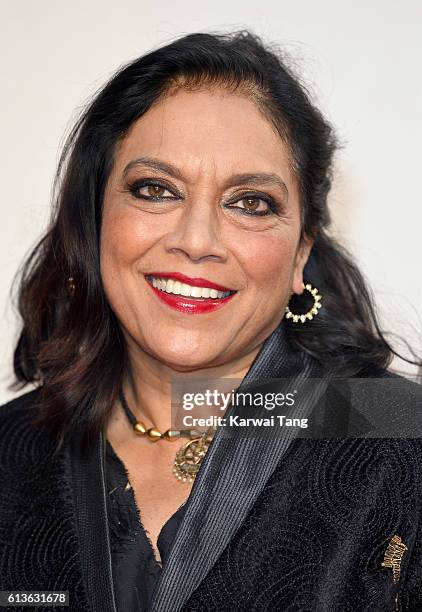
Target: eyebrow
[253, 178]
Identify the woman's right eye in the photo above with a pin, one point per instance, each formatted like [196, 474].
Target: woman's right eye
[150, 190]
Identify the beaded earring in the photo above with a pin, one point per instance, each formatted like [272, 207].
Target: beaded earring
[296, 318]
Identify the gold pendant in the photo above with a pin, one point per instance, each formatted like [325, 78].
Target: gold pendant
[189, 458]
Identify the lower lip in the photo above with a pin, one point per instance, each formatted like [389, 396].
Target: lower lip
[191, 305]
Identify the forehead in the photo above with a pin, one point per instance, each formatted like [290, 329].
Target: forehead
[211, 132]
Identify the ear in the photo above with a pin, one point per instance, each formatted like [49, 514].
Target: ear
[302, 255]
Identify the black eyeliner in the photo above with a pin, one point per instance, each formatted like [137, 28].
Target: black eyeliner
[139, 183]
[274, 207]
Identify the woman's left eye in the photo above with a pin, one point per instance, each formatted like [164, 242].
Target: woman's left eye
[254, 205]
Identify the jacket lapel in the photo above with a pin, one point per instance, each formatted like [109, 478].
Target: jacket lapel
[233, 474]
[87, 475]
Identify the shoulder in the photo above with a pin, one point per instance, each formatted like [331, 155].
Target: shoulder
[380, 385]
[19, 408]
[375, 371]
[374, 410]
[20, 402]
[383, 409]
[394, 390]
[21, 440]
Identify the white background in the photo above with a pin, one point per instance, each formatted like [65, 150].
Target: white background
[362, 63]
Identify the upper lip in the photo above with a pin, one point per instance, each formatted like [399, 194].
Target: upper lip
[189, 280]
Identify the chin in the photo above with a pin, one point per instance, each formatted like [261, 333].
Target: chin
[185, 356]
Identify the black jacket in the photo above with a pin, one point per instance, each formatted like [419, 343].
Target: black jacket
[275, 523]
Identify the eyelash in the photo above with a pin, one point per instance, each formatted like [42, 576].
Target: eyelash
[273, 207]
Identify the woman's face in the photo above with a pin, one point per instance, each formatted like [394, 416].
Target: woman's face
[201, 187]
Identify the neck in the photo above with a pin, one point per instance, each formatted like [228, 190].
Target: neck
[148, 384]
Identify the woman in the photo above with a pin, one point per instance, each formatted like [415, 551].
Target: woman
[189, 240]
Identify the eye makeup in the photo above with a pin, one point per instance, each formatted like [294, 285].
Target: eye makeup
[274, 207]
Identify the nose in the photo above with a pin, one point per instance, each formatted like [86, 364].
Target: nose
[197, 232]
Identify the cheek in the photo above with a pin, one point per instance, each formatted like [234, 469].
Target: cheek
[122, 241]
[268, 262]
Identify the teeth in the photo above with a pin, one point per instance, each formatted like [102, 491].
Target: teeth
[196, 292]
[170, 285]
[185, 290]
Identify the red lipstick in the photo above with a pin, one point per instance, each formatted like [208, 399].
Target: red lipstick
[189, 305]
[197, 281]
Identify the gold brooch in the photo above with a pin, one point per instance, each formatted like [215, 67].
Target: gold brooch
[393, 556]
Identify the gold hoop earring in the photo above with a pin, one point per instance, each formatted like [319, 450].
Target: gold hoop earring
[71, 285]
[311, 312]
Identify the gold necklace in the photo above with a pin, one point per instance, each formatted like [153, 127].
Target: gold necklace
[189, 457]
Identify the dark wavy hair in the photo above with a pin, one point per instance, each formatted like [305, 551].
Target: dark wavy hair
[72, 345]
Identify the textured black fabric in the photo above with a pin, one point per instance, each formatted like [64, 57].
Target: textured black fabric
[293, 525]
[135, 567]
[39, 548]
[315, 538]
